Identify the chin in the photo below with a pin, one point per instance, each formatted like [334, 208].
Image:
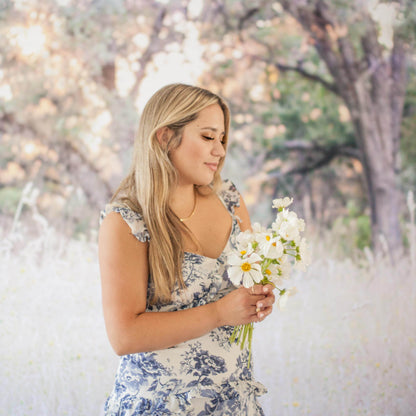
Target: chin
[203, 183]
[208, 181]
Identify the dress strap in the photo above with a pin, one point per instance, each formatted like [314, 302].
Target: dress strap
[133, 219]
[229, 196]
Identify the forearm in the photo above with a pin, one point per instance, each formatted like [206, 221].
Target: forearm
[159, 330]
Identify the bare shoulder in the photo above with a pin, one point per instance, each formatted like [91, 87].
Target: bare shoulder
[114, 232]
[244, 217]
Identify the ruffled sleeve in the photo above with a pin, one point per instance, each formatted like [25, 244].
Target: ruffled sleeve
[229, 195]
[133, 219]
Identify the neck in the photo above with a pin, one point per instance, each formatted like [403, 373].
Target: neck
[183, 202]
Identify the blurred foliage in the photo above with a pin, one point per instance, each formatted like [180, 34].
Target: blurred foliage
[69, 107]
[296, 133]
[9, 200]
[70, 75]
[355, 231]
[277, 113]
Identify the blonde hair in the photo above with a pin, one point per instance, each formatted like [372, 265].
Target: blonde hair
[146, 189]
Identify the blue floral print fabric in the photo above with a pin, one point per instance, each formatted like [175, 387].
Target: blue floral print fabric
[203, 376]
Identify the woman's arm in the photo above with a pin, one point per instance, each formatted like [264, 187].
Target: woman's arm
[124, 279]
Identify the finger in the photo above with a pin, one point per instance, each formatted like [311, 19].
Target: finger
[266, 302]
[267, 288]
[264, 313]
[253, 300]
[255, 318]
[256, 290]
[252, 316]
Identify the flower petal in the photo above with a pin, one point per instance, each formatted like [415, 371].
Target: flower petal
[235, 275]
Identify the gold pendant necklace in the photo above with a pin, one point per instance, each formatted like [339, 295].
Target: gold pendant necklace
[193, 210]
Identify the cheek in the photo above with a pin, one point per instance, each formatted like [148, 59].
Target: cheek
[184, 157]
[193, 153]
[196, 152]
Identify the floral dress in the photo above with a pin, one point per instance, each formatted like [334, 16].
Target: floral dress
[203, 376]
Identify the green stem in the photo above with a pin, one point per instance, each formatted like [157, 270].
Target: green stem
[250, 337]
[265, 265]
[240, 334]
[244, 335]
[240, 331]
[233, 335]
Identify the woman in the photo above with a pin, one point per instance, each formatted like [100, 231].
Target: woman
[169, 307]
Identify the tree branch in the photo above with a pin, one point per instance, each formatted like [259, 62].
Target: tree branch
[337, 150]
[312, 77]
[305, 74]
[319, 21]
[149, 52]
[327, 154]
[250, 12]
[71, 148]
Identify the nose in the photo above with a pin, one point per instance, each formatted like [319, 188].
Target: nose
[218, 149]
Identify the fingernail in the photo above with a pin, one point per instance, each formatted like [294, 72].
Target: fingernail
[261, 315]
[266, 290]
[259, 305]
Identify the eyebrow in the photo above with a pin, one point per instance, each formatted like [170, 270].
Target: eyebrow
[212, 129]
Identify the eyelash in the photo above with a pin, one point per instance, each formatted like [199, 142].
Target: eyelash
[213, 138]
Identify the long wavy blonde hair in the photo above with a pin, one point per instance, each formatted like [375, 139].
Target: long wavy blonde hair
[147, 187]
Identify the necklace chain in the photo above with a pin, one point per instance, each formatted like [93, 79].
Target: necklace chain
[193, 210]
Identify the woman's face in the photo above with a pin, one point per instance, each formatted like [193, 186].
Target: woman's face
[196, 159]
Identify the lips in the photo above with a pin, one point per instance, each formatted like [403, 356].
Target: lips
[212, 166]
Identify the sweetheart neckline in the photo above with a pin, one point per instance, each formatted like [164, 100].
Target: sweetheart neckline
[234, 223]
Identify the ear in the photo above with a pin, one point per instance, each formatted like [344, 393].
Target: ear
[163, 136]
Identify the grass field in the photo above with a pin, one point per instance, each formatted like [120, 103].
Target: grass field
[345, 345]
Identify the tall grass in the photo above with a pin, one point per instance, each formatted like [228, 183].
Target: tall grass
[346, 345]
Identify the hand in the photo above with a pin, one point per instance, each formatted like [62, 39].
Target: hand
[264, 307]
[243, 305]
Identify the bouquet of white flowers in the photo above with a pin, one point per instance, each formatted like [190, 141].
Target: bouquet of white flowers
[266, 256]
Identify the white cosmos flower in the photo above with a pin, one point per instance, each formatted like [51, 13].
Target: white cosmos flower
[244, 242]
[272, 273]
[270, 246]
[258, 229]
[285, 267]
[304, 254]
[282, 301]
[289, 231]
[281, 203]
[244, 269]
[288, 225]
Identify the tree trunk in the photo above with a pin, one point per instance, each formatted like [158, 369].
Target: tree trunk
[372, 123]
[383, 193]
[373, 88]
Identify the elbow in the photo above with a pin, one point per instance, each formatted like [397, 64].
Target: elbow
[122, 345]
[123, 336]
[119, 348]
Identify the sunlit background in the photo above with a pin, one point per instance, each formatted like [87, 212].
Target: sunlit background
[74, 77]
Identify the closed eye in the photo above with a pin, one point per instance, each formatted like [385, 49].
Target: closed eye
[213, 138]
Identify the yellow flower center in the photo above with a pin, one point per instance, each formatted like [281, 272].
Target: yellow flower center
[268, 272]
[242, 252]
[245, 267]
[267, 237]
[274, 244]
